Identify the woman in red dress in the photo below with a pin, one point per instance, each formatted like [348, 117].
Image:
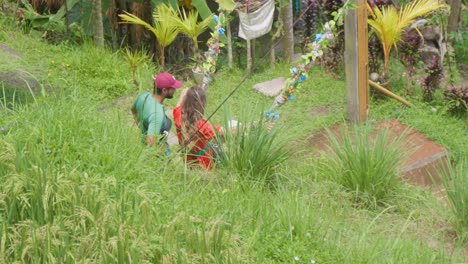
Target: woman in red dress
[193, 131]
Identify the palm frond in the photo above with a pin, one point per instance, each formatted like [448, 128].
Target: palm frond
[389, 24]
[129, 18]
[165, 33]
[416, 9]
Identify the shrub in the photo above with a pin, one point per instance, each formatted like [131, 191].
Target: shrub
[366, 164]
[456, 100]
[455, 181]
[432, 82]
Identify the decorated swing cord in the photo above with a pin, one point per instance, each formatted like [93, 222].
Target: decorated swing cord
[299, 73]
[275, 115]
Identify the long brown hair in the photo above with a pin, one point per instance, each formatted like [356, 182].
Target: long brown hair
[193, 109]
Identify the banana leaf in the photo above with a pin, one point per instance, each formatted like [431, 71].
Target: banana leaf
[204, 11]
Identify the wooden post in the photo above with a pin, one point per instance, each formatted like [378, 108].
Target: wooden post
[229, 42]
[356, 65]
[249, 57]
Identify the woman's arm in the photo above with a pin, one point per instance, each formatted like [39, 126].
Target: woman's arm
[181, 97]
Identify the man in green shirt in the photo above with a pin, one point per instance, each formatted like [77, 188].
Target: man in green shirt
[148, 110]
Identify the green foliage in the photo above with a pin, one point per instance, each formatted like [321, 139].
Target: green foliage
[366, 164]
[134, 59]
[460, 41]
[188, 24]
[456, 100]
[164, 31]
[455, 181]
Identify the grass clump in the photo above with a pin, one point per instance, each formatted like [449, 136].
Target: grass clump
[365, 163]
[455, 182]
[254, 151]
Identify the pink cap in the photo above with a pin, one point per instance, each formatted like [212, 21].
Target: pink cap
[167, 80]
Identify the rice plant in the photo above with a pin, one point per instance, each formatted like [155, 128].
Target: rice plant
[455, 182]
[366, 164]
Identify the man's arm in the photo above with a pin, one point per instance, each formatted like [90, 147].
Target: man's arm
[154, 126]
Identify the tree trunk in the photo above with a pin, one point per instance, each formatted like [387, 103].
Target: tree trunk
[288, 40]
[249, 57]
[67, 22]
[97, 23]
[272, 54]
[229, 43]
[454, 18]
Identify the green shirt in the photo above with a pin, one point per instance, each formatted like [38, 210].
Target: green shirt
[154, 116]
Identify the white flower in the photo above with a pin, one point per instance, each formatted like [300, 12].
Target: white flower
[433, 109]
[312, 261]
[291, 228]
[308, 234]
[296, 258]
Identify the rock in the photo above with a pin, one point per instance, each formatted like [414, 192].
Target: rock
[10, 51]
[172, 139]
[374, 76]
[297, 57]
[427, 53]
[433, 44]
[21, 80]
[270, 88]
[431, 33]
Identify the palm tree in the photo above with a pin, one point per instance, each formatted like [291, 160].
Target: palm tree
[164, 30]
[134, 59]
[188, 24]
[388, 23]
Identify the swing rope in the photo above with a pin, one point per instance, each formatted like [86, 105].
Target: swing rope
[194, 135]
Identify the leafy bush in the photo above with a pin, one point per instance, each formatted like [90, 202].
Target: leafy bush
[456, 100]
[432, 82]
[455, 181]
[366, 164]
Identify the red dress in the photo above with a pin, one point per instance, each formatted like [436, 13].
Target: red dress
[200, 154]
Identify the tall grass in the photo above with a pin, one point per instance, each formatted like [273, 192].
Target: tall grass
[366, 163]
[254, 151]
[455, 181]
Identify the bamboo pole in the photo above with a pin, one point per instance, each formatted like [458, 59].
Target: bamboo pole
[389, 94]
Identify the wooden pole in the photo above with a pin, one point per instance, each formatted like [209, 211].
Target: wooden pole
[229, 42]
[389, 94]
[356, 62]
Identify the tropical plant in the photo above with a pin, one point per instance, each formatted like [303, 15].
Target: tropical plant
[388, 23]
[455, 181]
[456, 100]
[431, 82]
[188, 24]
[409, 56]
[164, 31]
[366, 163]
[134, 59]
